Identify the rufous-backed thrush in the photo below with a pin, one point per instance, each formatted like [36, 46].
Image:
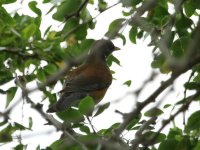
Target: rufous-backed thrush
[91, 78]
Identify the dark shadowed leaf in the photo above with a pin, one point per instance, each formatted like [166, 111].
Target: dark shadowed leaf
[134, 122]
[112, 59]
[150, 134]
[190, 7]
[30, 122]
[169, 144]
[193, 122]
[102, 108]
[85, 129]
[20, 147]
[133, 34]
[128, 83]
[10, 95]
[179, 46]
[130, 3]
[153, 112]
[167, 105]
[192, 85]
[50, 68]
[41, 75]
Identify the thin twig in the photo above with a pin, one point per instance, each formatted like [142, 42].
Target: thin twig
[139, 136]
[181, 109]
[91, 124]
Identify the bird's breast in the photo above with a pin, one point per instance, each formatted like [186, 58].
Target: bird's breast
[98, 95]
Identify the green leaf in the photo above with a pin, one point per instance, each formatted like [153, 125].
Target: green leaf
[193, 122]
[46, 1]
[150, 134]
[183, 23]
[102, 5]
[18, 126]
[130, 3]
[158, 61]
[4, 79]
[89, 138]
[167, 105]
[41, 75]
[7, 19]
[153, 112]
[121, 36]
[169, 144]
[197, 147]
[66, 8]
[50, 68]
[128, 83]
[133, 34]
[85, 129]
[134, 122]
[114, 28]
[112, 59]
[19, 147]
[70, 115]
[180, 46]
[7, 1]
[30, 122]
[190, 7]
[86, 105]
[29, 31]
[61, 144]
[101, 108]
[192, 85]
[10, 95]
[33, 6]
[91, 1]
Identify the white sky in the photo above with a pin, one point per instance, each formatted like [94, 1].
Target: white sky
[135, 62]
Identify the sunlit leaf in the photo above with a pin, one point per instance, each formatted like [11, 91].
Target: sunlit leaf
[66, 8]
[29, 31]
[70, 115]
[86, 105]
[33, 6]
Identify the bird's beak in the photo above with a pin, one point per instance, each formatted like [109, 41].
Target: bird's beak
[116, 48]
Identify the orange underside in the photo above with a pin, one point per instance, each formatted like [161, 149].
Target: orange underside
[98, 95]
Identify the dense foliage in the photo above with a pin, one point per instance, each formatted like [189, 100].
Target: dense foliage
[29, 55]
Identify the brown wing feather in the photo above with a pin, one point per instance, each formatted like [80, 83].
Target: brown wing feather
[88, 77]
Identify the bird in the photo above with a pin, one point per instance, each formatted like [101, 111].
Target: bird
[92, 78]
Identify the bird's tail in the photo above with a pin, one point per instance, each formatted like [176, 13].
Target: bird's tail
[66, 101]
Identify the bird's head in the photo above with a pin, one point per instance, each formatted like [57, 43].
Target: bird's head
[102, 49]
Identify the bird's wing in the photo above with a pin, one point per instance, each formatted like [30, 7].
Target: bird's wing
[88, 77]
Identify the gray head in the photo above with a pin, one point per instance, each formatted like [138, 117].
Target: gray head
[102, 49]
